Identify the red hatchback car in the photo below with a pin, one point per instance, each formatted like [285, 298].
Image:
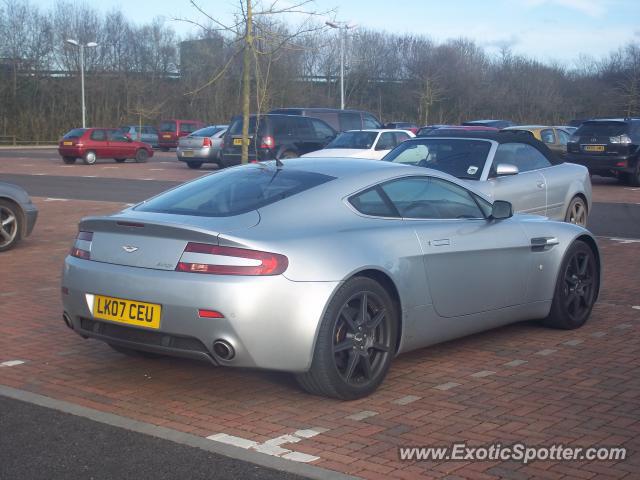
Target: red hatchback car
[170, 131]
[90, 144]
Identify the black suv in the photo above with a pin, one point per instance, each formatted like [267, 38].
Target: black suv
[276, 136]
[340, 120]
[608, 147]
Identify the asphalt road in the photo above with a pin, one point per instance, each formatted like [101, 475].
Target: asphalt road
[606, 219]
[41, 443]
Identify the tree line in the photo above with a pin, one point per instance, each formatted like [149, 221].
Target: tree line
[145, 72]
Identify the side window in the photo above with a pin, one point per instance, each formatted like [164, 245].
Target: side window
[279, 126]
[188, 128]
[116, 136]
[548, 136]
[428, 197]
[98, 135]
[386, 141]
[522, 155]
[371, 202]
[368, 121]
[349, 121]
[322, 129]
[303, 127]
[564, 137]
[400, 137]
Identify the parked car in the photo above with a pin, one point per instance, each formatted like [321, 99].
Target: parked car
[427, 128]
[18, 215]
[145, 133]
[553, 137]
[567, 128]
[90, 144]
[608, 147]
[508, 166]
[202, 146]
[371, 144]
[327, 269]
[454, 129]
[171, 130]
[339, 120]
[499, 124]
[412, 127]
[278, 136]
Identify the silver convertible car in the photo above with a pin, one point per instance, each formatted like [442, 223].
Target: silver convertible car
[326, 268]
[506, 166]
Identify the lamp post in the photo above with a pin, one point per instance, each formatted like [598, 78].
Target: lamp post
[342, 27]
[82, 46]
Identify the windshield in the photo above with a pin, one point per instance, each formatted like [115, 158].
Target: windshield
[75, 133]
[605, 129]
[233, 191]
[359, 140]
[461, 158]
[168, 127]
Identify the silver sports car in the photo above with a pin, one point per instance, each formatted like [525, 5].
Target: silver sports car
[326, 268]
[507, 166]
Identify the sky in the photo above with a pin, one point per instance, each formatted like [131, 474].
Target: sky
[548, 30]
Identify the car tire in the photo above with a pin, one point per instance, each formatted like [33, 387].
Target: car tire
[69, 160]
[353, 350]
[120, 160]
[577, 212]
[89, 157]
[576, 288]
[194, 165]
[142, 155]
[10, 225]
[130, 352]
[288, 154]
[633, 179]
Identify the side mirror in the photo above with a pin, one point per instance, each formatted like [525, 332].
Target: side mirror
[501, 210]
[505, 169]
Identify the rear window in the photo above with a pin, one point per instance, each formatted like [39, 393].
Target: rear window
[605, 129]
[234, 191]
[168, 127]
[206, 132]
[236, 126]
[457, 157]
[358, 140]
[75, 133]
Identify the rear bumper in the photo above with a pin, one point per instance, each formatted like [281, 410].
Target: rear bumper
[205, 154]
[602, 164]
[75, 152]
[230, 158]
[271, 322]
[167, 143]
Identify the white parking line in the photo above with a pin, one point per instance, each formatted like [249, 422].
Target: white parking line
[52, 199]
[483, 373]
[636, 307]
[623, 326]
[573, 343]
[545, 352]
[11, 363]
[598, 334]
[447, 386]
[361, 415]
[624, 241]
[406, 400]
[515, 363]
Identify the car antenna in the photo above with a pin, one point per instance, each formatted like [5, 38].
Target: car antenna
[279, 164]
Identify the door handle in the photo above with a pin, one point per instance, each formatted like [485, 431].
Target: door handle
[540, 184]
[439, 243]
[539, 244]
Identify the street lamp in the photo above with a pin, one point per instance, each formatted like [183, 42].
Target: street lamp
[342, 27]
[82, 46]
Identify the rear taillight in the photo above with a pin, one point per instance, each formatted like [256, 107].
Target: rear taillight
[206, 142]
[213, 259]
[267, 142]
[82, 247]
[623, 139]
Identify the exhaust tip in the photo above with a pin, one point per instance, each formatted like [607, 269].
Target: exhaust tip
[67, 320]
[223, 349]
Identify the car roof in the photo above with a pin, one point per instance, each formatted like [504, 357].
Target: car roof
[528, 127]
[376, 130]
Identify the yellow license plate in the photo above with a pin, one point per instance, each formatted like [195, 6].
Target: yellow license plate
[67, 143]
[237, 141]
[187, 153]
[131, 312]
[166, 136]
[594, 148]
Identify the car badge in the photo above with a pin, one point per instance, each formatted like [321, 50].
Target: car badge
[129, 248]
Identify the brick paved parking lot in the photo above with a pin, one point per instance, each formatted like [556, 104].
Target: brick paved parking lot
[523, 383]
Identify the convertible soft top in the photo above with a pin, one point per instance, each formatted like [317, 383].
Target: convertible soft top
[500, 137]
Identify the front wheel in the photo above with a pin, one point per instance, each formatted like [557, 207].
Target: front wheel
[577, 212]
[356, 342]
[194, 165]
[10, 225]
[633, 179]
[576, 288]
[142, 155]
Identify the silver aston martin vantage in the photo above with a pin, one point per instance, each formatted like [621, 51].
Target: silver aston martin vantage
[326, 268]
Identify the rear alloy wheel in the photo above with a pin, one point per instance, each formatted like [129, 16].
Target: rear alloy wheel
[69, 160]
[141, 155]
[120, 160]
[355, 343]
[576, 288]
[577, 212]
[194, 165]
[90, 158]
[134, 353]
[10, 225]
